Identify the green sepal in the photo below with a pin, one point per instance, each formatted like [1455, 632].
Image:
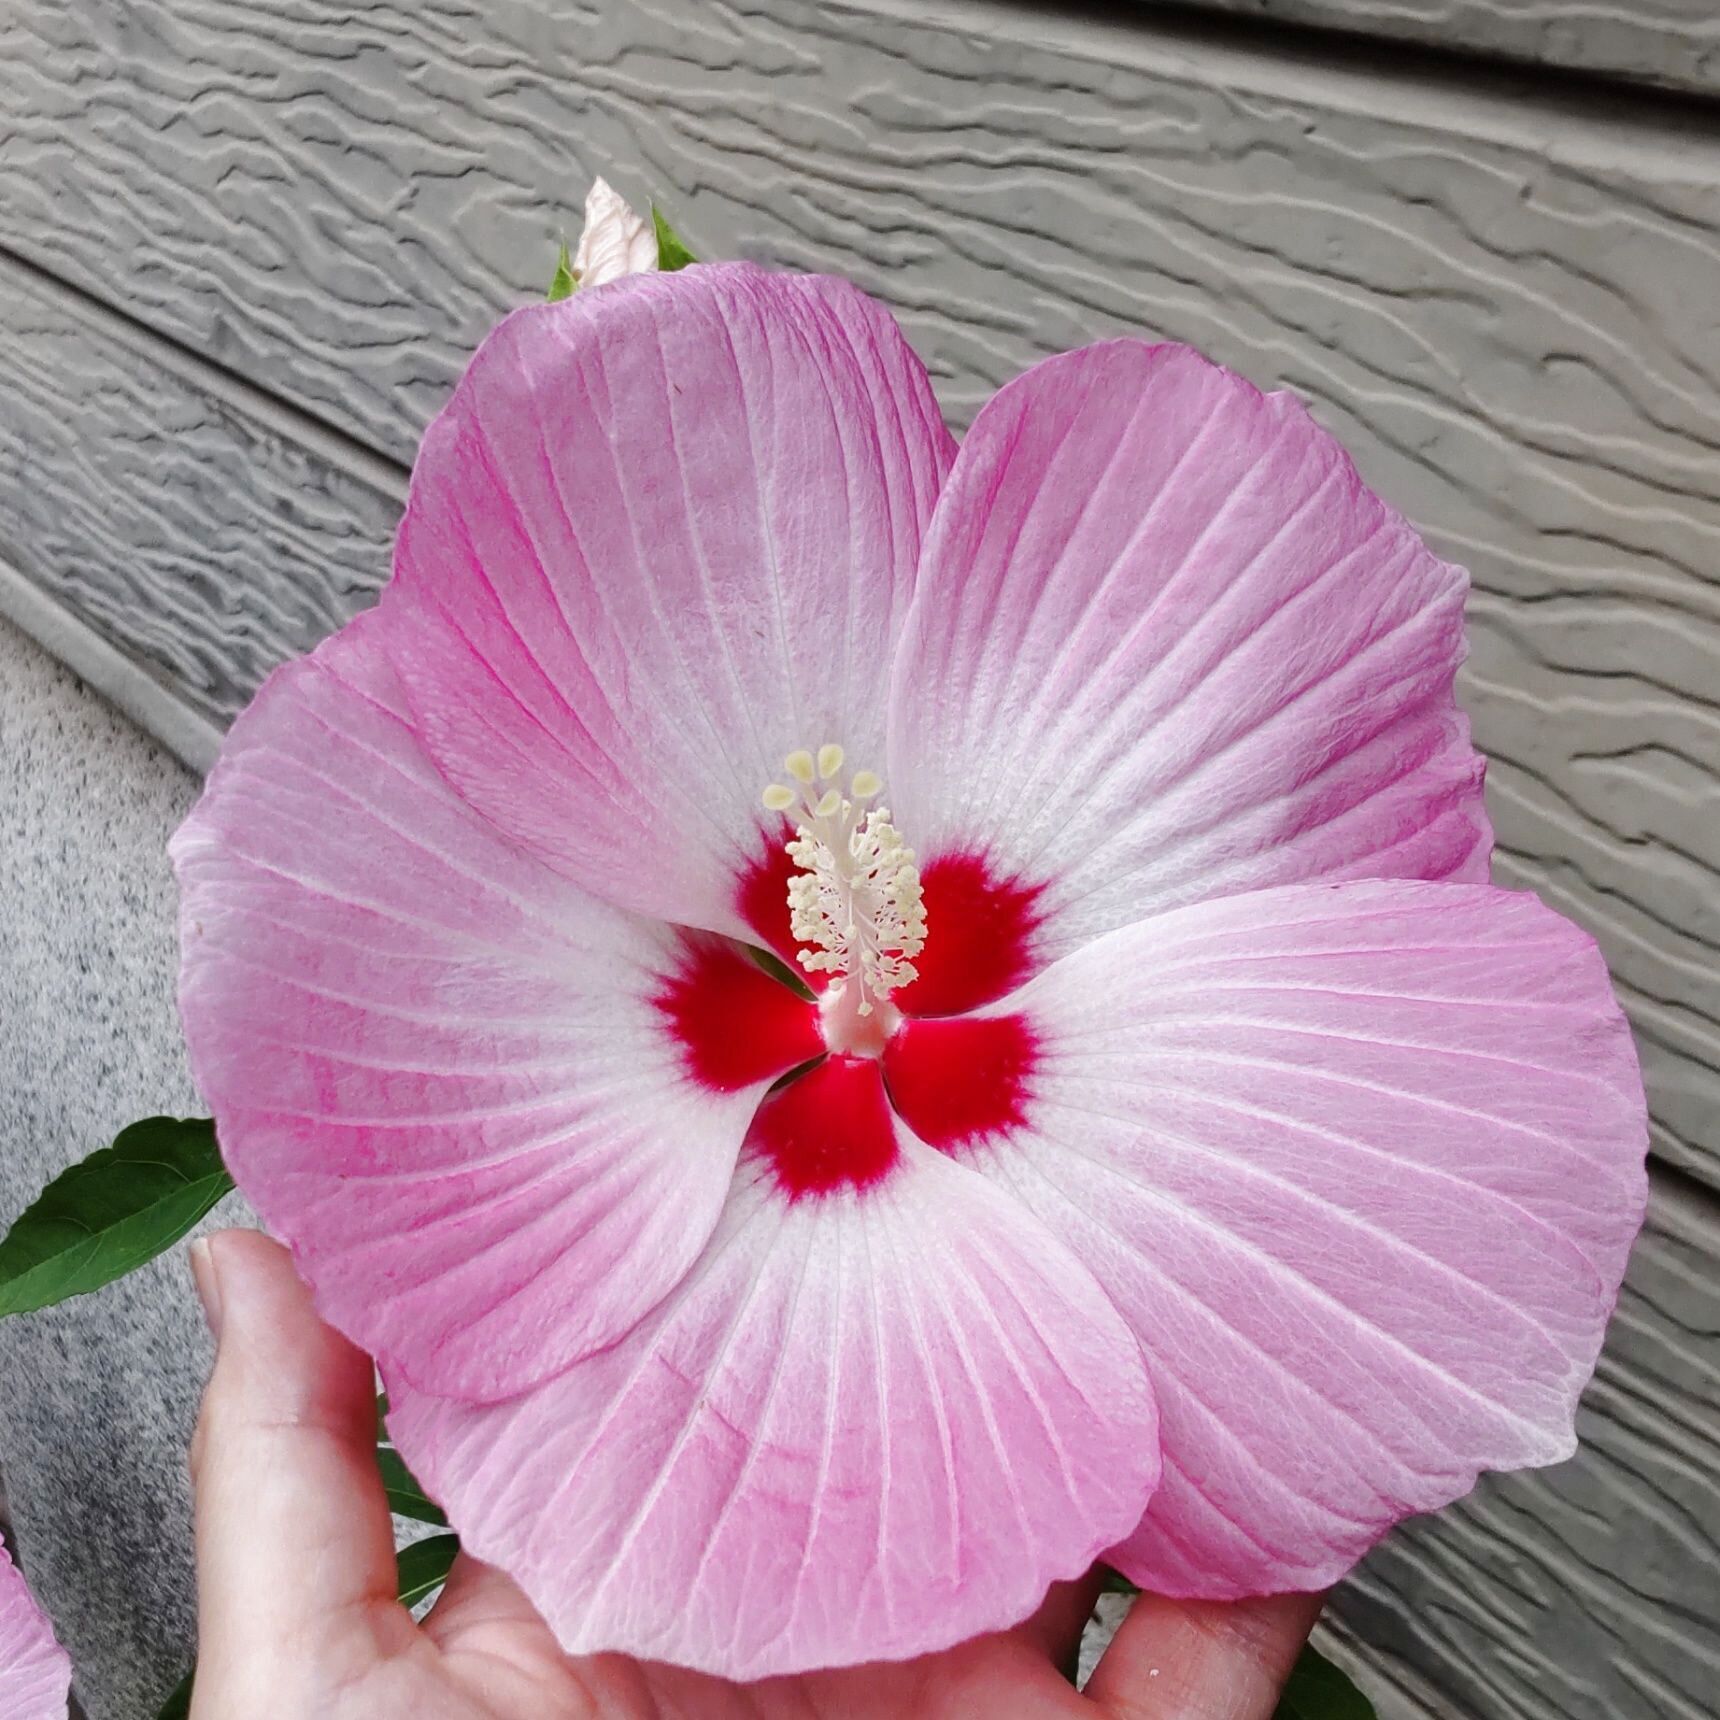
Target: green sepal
[112, 1213]
[672, 252]
[564, 280]
[780, 971]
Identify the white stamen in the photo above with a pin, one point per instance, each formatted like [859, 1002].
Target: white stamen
[856, 900]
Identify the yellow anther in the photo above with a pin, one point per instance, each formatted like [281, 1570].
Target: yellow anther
[866, 783]
[799, 765]
[830, 757]
[778, 798]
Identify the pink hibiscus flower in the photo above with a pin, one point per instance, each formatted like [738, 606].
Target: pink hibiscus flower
[35, 1675]
[1187, 1156]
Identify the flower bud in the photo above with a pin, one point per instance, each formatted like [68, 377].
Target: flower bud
[615, 240]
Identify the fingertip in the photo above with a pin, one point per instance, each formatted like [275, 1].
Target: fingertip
[206, 1283]
[273, 1350]
[252, 1270]
[1203, 1660]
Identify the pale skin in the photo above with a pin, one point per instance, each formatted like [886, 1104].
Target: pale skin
[296, 1580]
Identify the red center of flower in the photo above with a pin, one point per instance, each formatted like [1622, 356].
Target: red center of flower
[957, 1080]
[985, 926]
[828, 1130]
[983, 946]
[953, 1079]
[734, 1023]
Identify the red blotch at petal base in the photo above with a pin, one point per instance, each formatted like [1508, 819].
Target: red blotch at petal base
[831, 1128]
[735, 1024]
[981, 926]
[761, 899]
[980, 942]
[961, 1080]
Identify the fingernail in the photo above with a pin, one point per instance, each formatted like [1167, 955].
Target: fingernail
[208, 1282]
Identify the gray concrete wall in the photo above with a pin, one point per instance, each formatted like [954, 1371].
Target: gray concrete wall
[96, 1397]
[245, 248]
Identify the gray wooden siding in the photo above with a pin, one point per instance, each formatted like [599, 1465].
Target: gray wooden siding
[1506, 310]
[1670, 42]
[183, 516]
[252, 244]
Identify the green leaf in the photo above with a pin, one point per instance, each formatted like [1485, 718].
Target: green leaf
[178, 1705]
[564, 280]
[383, 1436]
[1115, 1583]
[405, 1497]
[105, 1217]
[424, 1566]
[1318, 1690]
[672, 252]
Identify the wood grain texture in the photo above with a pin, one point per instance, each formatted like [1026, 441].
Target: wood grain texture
[1508, 311]
[1586, 1591]
[1675, 43]
[202, 541]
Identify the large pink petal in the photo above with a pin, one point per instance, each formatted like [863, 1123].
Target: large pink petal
[664, 534]
[470, 1096]
[871, 1423]
[1360, 1164]
[1166, 646]
[35, 1675]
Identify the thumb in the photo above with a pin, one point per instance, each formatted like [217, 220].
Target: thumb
[1202, 1660]
[295, 1546]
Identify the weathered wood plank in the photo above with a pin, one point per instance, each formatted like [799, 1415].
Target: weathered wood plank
[1671, 42]
[169, 517]
[1587, 1591]
[1507, 311]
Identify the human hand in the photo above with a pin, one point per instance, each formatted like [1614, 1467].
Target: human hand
[298, 1616]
